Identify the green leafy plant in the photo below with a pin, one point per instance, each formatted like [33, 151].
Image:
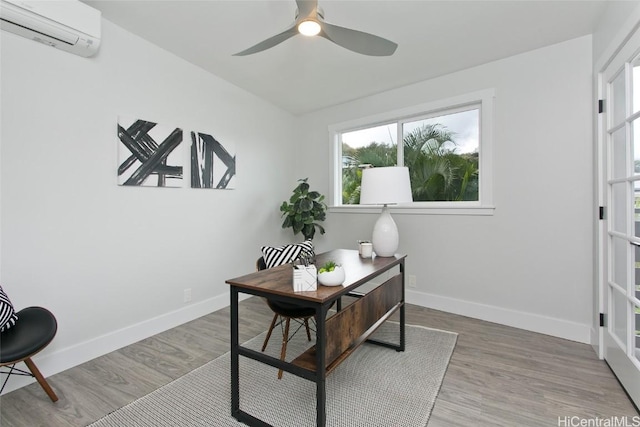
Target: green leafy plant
[303, 210]
[437, 171]
[328, 266]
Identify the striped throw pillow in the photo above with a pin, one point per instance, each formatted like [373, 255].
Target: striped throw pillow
[7, 313]
[275, 256]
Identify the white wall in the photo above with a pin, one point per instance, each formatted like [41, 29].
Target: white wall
[112, 262]
[528, 265]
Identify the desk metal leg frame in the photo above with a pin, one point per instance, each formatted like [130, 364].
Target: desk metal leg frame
[319, 377]
[235, 368]
[235, 356]
[321, 371]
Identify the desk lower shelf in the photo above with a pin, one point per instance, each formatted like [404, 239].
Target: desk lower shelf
[350, 327]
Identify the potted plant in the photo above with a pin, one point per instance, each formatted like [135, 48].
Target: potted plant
[331, 274]
[303, 210]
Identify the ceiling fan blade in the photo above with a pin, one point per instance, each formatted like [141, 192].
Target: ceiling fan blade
[357, 41]
[305, 7]
[270, 42]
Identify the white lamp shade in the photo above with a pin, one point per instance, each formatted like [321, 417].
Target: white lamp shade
[383, 186]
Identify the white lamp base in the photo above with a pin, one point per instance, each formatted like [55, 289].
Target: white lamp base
[385, 235]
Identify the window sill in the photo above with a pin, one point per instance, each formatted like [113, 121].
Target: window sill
[418, 210]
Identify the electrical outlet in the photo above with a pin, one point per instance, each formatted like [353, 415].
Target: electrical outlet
[412, 281]
[187, 295]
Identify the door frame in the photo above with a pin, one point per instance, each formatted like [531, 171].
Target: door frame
[605, 346]
[626, 31]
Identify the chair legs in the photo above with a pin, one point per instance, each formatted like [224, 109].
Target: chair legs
[273, 324]
[43, 383]
[34, 372]
[306, 325]
[285, 339]
[285, 336]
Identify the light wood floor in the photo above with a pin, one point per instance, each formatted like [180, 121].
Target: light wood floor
[498, 376]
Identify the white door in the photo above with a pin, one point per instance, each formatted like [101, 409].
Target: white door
[620, 125]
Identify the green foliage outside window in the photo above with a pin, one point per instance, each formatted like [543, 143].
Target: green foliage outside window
[437, 172]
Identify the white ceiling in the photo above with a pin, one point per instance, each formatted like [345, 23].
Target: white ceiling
[306, 74]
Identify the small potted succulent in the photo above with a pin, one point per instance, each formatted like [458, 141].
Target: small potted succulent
[331, 274]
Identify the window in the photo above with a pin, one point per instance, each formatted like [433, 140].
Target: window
[446, 146]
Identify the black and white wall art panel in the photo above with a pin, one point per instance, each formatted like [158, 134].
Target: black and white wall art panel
[149, 154]
[213, 165]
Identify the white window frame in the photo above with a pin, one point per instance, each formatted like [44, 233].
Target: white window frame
[484, 204]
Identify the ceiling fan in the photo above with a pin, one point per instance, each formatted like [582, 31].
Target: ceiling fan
[310, 22]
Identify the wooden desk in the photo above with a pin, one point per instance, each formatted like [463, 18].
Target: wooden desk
[337, 336]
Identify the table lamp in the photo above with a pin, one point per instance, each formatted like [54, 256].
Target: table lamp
[385, 186]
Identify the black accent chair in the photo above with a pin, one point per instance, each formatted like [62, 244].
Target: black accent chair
[33, 331]
[285, 312]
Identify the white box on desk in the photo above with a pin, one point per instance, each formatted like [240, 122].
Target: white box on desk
[305, 278]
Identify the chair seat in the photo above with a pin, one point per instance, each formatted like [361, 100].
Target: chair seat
[34, 329]
[290, 310]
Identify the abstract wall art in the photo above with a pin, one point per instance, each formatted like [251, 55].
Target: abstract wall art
[149, 154]
[213, 165]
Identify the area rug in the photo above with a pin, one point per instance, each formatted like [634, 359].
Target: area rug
[375, 386]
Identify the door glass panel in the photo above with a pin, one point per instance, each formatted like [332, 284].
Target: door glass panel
[636, 338]
[619, 206]
[619, 154]
[619, 273]
[618, 101]
[619, 315]
[635, 137]
[636, 208]
[636, 269]
[636, 85]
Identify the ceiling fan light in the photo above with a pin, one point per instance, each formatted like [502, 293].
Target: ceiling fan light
[309, 28]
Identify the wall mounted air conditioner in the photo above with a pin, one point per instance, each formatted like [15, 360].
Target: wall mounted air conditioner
[67, 25]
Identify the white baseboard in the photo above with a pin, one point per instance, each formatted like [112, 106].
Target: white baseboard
[61, 360]
[518, 319]
[597, 342]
